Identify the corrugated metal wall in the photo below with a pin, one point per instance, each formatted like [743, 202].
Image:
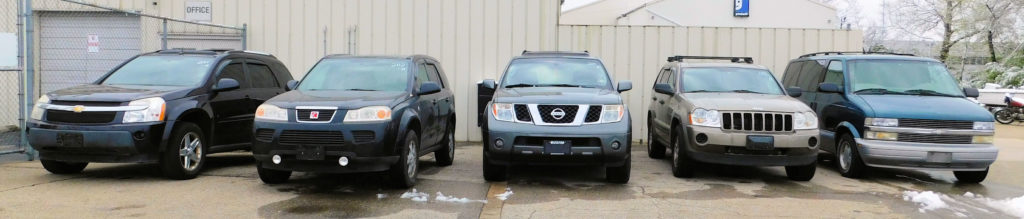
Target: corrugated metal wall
[636, 53]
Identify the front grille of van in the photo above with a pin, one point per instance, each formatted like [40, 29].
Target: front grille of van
[61, 116]
[934, 139]
[757, 121]
[935, 124]
[570, 113]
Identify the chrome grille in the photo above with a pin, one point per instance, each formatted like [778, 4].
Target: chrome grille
[935, 124]
[322, 115]
[304, 137]
[570, 113]
[523, 113]
[934, 139]
[757, 121]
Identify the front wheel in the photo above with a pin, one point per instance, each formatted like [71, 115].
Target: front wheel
[60, 167]
[270, 176]
[494, 172]
[403, 173]
[185, 153]
[848, 158]
[446, 155]
[802, 173]
[619, 174]
[971, 176]
[1004, 116]
[654, 149]
[682, 164]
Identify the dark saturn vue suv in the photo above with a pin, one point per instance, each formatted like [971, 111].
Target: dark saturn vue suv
[556, 108]
[358, 114]
[171, 107]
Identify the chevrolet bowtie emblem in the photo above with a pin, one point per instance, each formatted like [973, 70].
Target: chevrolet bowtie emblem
[78, 108]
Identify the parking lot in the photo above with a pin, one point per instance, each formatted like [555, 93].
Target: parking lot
[229, 188]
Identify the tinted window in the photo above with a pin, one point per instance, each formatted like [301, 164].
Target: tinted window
[661, 76]
[261, 75]
[233, 70]
[730, 80]
[912, 77]
[422, 75]
[792, 73]
[834, 74]
[810, 75]
[358, 74]
[433, 74]
[162, 71]
[557, 72]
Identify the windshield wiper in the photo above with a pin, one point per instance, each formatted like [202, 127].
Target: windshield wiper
[558, 85]
[519, 85]
[701, 91]
[876, 91]
[924, 92]
[746, 91]
[358, 89]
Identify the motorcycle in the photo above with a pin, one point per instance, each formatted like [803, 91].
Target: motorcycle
[1014, 110]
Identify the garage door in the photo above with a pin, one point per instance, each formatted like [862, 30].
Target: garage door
[79, 47]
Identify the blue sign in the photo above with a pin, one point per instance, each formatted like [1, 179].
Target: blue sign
[741, 8]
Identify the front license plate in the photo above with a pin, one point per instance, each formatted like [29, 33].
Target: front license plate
[940, 157]
[558, 147]
[310, 153]
[70, 139]
[756, 142]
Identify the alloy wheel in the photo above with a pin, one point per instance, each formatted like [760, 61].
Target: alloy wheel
[451, 144]
[845, 155]
[411, 159]
[190, 151]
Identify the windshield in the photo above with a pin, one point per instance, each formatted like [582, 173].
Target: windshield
[562, 72]
[740, 80]
[176, 70]
[361, 74]
[902, 77]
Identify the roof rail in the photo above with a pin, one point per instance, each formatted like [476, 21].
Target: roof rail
[747, 60]
[250, 52]
[555, 53]
[185, 51]
[853, 52]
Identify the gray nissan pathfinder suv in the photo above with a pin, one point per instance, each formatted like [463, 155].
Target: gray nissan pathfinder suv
[556, 108]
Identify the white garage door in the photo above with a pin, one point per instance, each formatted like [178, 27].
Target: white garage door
[68, 56]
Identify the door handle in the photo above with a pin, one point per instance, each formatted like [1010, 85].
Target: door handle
[661, 102]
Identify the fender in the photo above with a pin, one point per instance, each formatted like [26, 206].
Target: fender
[182, 107]
[407, 116]
[828, 138]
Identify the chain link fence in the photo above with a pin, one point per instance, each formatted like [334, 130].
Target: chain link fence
[11, 73]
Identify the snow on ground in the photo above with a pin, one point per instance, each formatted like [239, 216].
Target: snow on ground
[1011, 206]
[927, 200]
[381, 195]
[442, 198]
[504, 196]
[416, 196]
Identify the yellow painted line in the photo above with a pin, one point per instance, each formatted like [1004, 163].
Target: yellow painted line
[493, 207]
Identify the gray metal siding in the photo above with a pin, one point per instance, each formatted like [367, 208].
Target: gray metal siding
[63, 58]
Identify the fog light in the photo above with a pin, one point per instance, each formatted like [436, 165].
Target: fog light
[888, 136]
[499, 143]
[276, 159]
[982, 139]
[615, 145]
[701, 138]
[343, 161]
[812, 142]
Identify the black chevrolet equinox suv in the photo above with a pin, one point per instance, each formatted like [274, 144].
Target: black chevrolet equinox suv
[171, 107]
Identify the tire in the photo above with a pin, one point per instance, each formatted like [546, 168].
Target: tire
[446, 155]
[493, 172]
[60, 167]
[682, 164]
[185, 153]
[1004, 116]
[848, 158]
[619, 174]
[654, 149]
[270, 176]
[970, 176]
[802, 173]
[403, 173]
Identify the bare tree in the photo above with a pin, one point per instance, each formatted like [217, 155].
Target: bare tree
[948, 20]
[998, 18]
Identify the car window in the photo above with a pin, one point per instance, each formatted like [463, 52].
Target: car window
[162, 71]
[834, 74]
[792, 73]
[740, 80]
[376, 74]
[661, 76]
[422, 75]
[671, 80]
[810, 75]
[233, 70]
[433, 75]
[261, 75]
[552, 71]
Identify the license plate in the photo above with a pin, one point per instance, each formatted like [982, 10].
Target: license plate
[70, 139]
[939, 157]
[755, 142]
[310, 153]
[558, 147]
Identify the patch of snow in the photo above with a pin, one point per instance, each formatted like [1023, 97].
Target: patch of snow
[927, 200]
[442, 198]
[958, 214]
[1012, 206]
[381, 195]
[970, 195]
[504, 196]
[416, 196]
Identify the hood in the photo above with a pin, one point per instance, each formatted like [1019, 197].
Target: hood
[117, 93]
[925, 107]
[746, 102]
[340, 99]
[557, 95]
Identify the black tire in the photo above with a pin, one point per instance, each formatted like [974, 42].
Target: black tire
[654, 149]
[802, 173]
[493, 172]
[1004, 116]
[403, 173]
[682, 164]
[970, 176]
[619, 174]
[855, 168]
[270, 176]
[60, 167]
[446, 155]
[173, 164]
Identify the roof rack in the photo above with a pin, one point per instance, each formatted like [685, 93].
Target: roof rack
[250, 52]
[555, 53]
[186, 51]
[747, 60]
[853, 52]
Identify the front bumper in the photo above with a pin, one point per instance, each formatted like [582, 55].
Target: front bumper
[795, 148]
[591, 144]
[907, 155]
[373, 154]
[118, 143]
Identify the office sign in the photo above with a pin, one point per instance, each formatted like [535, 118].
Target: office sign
[741, 8]
[199, 11]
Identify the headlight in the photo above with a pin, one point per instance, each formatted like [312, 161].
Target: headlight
[709, 118]
[154, 111]
[881, 122]
[503, 112]
[37, 109]
[805, 120]
[369, 114]
[888, 136]
[612, 113]
[984, 125]
[982, 139]
[271, 112]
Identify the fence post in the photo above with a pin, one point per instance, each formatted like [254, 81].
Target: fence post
[163, 36]
[30, 72]
[245, 27]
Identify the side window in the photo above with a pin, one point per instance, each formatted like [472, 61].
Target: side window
[262, 76]
[811, 74]
[672, 80]
[792, 74]
[433, 75]
[234, 70]
[835, 73]
[661, 76]
[421, 75]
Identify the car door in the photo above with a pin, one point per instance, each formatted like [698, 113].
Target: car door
[831, 106]
[444, 100]
[426, 105]
[658, 107]
[811, 75]
[232, 110]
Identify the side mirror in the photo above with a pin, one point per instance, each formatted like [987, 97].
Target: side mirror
[429, 88]
[292, 85]
[829, 88]
[795, 91]
[489, 84]
[971, 92]
[225, 84]
[625, 86]
[663, 88]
